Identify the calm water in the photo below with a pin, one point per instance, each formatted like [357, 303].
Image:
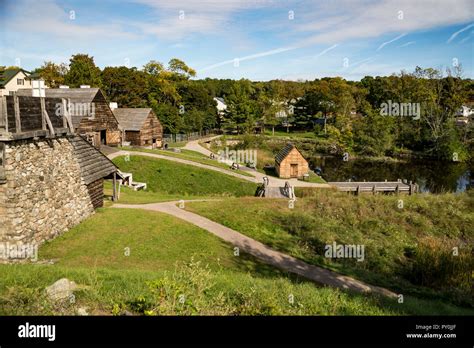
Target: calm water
[431, 176]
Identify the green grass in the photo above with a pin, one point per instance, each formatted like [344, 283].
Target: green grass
[291, 134]
[170, 258]
[407, 250]
[168, 180]
[190, 156]
[315, 178]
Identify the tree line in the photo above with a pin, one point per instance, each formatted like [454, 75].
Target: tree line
[346, 115]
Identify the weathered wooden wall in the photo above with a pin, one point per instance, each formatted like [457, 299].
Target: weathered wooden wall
[30, 113]
[103, 119]
[96, 193]
[294, 157]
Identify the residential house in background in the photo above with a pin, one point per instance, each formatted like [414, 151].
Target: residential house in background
[11, 80]
[221, 105]
[90, 113]
[140, 126]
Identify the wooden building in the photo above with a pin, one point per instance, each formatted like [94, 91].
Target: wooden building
[90, 113]
[290, 163]
[51, 178]
[140, 126]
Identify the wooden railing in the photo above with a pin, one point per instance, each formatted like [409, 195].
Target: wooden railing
[25, 117]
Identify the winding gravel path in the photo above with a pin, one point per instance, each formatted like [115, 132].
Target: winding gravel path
[262, 252]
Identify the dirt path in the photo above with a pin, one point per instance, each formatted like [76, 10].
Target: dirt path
[255, 178]
[262, 252]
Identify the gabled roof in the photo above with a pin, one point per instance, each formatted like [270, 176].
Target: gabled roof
[131, 119]
[9, 74]
[94, 165]
[76, 95]
[280, 156]
[220, 99]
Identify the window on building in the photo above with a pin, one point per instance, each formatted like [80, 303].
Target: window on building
[20, 82]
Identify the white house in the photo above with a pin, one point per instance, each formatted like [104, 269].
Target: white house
[221, 105]
[465, 111]
[13, 79]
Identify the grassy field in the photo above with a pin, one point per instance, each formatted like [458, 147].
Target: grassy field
[190, 156]
[170, 180]
[173, 268]
[409, 249]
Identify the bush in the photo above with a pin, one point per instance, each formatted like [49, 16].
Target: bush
[434, 263]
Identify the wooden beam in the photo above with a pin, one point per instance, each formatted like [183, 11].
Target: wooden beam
[46, 117]
[16, 105]
[114, 195]
[4, 115]
[66, 116]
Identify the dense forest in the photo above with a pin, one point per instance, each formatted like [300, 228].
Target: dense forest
[347, 115]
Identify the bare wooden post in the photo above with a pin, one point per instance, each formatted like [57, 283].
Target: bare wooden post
[357, 190]
[114, 194]
[46, 116]
[373, 189]
[16, 105]
[67, 122]
[4, 115]
[397, 189]
[410, 190]
[43, 112]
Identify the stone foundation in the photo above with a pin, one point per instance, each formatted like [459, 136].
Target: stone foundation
[44, 194]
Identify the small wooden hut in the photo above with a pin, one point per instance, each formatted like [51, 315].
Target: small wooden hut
[290, 163]
[140, 126]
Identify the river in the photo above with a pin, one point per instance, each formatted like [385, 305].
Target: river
[431, 176]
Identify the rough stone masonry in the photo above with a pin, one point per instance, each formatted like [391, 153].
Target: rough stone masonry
[42, 193]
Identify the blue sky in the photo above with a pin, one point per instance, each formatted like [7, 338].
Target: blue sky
[255, 39]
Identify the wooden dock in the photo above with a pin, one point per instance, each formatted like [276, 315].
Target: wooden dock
[376, 187]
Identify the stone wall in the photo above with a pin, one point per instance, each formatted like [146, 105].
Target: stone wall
[44, 194]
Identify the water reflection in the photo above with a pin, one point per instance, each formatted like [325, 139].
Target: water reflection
[431, 176]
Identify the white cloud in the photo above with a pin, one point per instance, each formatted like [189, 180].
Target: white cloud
[390, 41]
[346, 20]
[452, 37]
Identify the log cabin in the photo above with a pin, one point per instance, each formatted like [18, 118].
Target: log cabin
[50, 178]
[90, 113]
[140, 126]
[290, 163]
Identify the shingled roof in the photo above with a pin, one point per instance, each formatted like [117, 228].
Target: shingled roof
[94, 165]
[280, 156]
[131, 119]
[76, 95]
[9, 74]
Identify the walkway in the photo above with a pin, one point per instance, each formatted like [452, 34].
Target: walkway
[262, 252]
[256, 177]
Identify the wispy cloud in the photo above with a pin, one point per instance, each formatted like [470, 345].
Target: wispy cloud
[407, 44]
[453, 36]
[390, 41]
[249, 57]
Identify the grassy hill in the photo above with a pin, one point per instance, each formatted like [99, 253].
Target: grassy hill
[173, 268]
[168, 180]
[409, 249]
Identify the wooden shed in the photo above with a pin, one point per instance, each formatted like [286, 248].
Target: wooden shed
[90, 114]
[290, 163]
[140, 126]
[95, 167]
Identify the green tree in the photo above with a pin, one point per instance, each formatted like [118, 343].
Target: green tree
[83, 71]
